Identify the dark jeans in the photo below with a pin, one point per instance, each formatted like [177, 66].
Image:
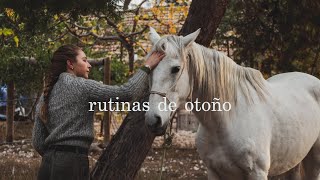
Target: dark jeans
[61, 165]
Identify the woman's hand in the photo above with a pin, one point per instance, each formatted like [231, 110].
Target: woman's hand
[154, 59]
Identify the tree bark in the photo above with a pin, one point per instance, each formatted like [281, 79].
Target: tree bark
[126, 4]
[207, 15]
[131, 58]
[127, 150]
[314, 64]
[107, 115]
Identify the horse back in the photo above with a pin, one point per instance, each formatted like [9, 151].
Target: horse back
[295, 102]
[295, 80]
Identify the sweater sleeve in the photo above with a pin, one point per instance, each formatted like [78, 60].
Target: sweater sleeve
[39, 133]
[134, 88]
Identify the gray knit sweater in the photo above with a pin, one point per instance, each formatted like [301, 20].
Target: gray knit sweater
[70, 122]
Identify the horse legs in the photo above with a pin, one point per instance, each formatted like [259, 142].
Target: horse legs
[212, 175]
[258, 174]
[311, 163]
[293, 174]
[255, 166]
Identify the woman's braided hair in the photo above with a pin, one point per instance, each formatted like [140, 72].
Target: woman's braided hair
[58, 66]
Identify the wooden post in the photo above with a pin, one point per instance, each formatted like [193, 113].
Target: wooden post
[107, 115]
[10, 111]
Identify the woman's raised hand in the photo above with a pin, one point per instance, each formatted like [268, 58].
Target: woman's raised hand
[154, 59]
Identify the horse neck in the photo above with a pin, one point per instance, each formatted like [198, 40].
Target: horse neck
[215, 75]
[201, 87]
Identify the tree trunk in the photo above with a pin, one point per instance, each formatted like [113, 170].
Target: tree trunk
[127, 150]
[314, 64]
[107, 115]
[204, 14]
[126, 4]
[131, 58]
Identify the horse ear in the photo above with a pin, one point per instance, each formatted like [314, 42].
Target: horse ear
[154, 36]
[190, 38]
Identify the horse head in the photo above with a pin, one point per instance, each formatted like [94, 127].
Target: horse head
[170, 82]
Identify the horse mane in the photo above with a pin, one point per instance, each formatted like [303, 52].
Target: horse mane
[218, 76]
[213, 74]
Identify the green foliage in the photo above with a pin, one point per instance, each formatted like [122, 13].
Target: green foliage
[29, 29]
[273, 36]
[15, 67]
[96, 73]
[37, 15]
[119, 71]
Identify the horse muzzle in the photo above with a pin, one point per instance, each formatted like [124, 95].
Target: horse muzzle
[154, 123]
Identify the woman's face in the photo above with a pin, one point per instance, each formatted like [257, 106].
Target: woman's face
[81, 66]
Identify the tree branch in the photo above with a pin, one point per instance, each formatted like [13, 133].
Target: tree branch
[126, 4]
[90, 33]
[139, 32]
[12, 24]
[93, 62]
[59, 37]
[82, 27]
[136, 13]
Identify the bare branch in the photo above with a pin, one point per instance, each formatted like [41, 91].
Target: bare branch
[93, 62]
[90, 33]
[159, 21]
[82, 27]
[56, 24]
[12, 24]
[139, 32]
[126, 4]
[136, 13]
[114, 38]
[59, 37]
[79, 31]
[134, 10]
[140, 5]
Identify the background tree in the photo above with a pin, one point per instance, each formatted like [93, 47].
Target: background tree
[269, 35]
[204, 14]
[273, 36]
[24, 28]
[127, 150]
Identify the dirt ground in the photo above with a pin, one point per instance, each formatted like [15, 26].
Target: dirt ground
[20, 161]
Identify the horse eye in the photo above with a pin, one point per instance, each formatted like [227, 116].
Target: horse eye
[175, 69]
[163, 47]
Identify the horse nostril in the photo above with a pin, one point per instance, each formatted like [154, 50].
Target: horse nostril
[157, 124]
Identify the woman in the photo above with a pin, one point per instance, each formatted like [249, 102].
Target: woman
[63, 129]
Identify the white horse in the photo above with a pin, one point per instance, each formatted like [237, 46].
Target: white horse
[273, 124]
